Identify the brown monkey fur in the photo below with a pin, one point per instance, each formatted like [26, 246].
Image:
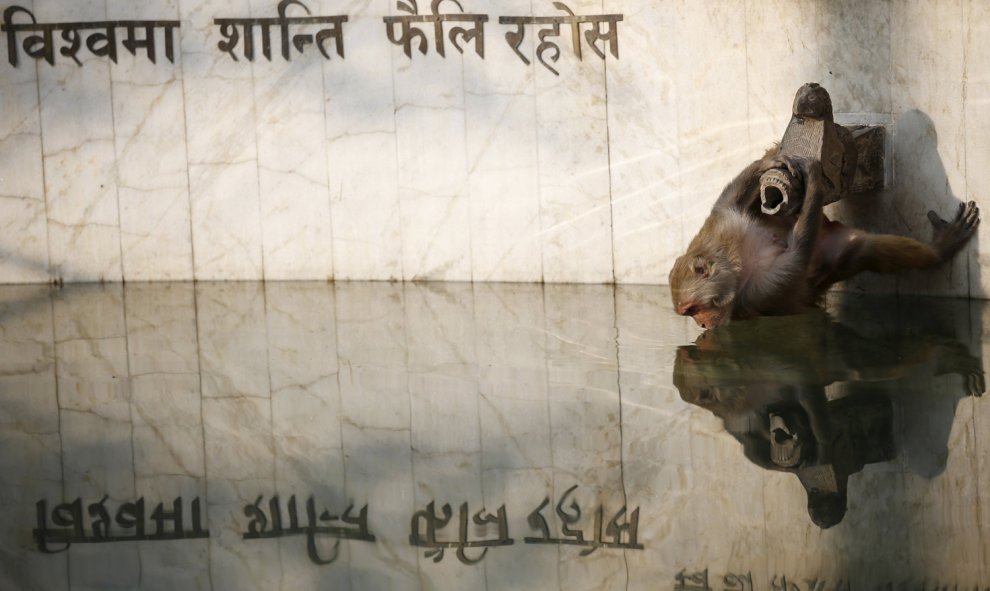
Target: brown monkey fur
[744, 264]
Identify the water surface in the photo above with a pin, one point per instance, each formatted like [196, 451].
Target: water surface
[458, 436]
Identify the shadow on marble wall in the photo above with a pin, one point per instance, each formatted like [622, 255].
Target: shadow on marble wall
[920, 183]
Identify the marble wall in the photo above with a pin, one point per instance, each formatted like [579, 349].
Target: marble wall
[396, 395]
[378, 166]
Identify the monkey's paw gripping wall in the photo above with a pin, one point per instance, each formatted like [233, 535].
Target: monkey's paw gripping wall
[517, 140]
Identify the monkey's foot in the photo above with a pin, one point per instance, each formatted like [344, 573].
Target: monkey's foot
[951, 236]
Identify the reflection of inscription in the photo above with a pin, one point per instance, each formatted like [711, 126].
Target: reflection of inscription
[698, 581]
[129, 520]
[782, 584]
[622, 534]
[593, 35]
[264, 526]
[408, 31]
[274, 519]
[571, 515]
[229, 30]
[434, 522]
[101, 43]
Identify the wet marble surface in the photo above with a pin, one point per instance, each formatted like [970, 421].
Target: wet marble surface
[486, 436]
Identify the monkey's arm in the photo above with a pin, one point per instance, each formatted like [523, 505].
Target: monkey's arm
[774, 290]
[744, 190]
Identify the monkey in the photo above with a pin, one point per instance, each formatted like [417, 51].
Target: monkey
[743, 264]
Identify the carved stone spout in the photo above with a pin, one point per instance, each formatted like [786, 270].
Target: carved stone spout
[851, 158]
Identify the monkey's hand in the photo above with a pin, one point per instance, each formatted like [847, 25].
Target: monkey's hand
[784, 284]
[791, 199]
[795, 165]
[952, 236]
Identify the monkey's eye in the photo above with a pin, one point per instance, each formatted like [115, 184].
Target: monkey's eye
[691, 311]
[699, 270]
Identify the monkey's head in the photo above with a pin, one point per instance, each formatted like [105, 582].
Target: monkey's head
[703, 286]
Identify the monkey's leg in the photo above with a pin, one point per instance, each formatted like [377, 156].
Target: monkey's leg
[847, 252]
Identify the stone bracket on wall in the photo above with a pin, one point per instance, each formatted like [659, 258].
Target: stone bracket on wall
[852, 158]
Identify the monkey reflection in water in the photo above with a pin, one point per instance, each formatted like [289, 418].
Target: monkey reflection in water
[766, 380]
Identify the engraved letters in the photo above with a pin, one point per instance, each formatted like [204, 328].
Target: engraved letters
[232, 36]
[103, 42]
[242, 36]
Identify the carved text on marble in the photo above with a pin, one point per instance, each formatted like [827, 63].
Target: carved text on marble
[600, 32]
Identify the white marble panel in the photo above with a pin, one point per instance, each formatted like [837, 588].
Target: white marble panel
[371, 344]
[647, 229]
[302, 354]
[30, 445]
[80, 163]
[95, 421]
[361, 148]
[150, 147]
[572, 131]
[292, 163]
[656, 466]
[728, 479]
[237, 432]
[165, 392]
[782, 53]
[713, 106]
[434, 203]
[306, 419]
[222, 146]
[161, 328]
[169, 450]
[854, 53]
[585, 414]
[954, 474]
[376, 430]
[976, 15]
[237, 427]
[929, 136]
[786, 515]
[444, 415]
[23, 239]
[233, 342]
[514, 425]
[169, 463]
[24, 225]
[500, 122]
